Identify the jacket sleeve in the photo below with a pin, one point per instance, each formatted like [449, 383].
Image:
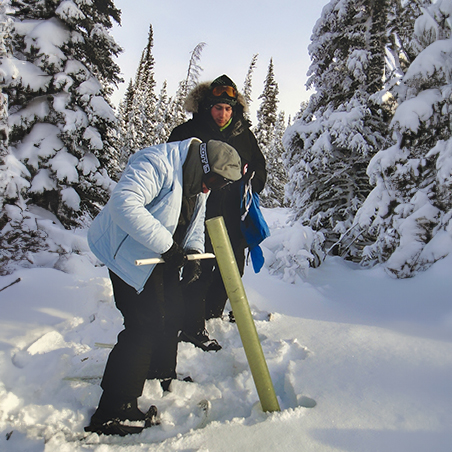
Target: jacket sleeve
[257, 165]
[179, 133]
[174, 136]
[140, 185]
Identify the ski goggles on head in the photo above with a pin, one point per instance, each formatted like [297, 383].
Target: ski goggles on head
[214, 181]
[228, 90]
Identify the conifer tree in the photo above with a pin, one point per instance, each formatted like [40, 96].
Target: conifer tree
[273, 193]
[5, 53]
[402, 47]
[247, 86]
[269, 132]
[410, 207]
[194, 70]
[14, 244]
[59, 114]
[404, 44]
[268, 110]
[12, 172]
[127, 136]
[329, 147]
[162, 116]
[300, 112]
[137, 111]
[144, 99]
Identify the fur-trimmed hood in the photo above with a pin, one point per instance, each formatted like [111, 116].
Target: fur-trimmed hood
[200, 93]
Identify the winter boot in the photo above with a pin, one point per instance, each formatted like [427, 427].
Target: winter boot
[124, 419]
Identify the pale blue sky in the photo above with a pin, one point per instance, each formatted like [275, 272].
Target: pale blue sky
[233, 31]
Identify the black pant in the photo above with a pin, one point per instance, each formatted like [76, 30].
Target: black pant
[147, 347]
[206, 298]
[216, 295]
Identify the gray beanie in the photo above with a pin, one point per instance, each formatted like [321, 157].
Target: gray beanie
[224, 160]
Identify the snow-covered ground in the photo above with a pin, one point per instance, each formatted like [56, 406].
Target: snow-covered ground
[360, 362]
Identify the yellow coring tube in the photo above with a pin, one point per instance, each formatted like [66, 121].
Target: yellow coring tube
[242, 313]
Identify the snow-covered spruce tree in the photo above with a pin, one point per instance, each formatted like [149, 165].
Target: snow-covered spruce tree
[247, 86]
[126, 131]
[269, 134]
[137, 111]
[14, 244]
[404, 44]
[59, 115]
[268, 110]
[300, 112]
[5, 54]
[162, 116]
[176, 108]
[144, 99]
[8, 189]
[328, 149]
[401, 49]
[273, 193]
[410, 207]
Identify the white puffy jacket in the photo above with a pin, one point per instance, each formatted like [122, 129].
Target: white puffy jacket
[142, 214]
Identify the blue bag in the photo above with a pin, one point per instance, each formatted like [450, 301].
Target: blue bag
[253, 225]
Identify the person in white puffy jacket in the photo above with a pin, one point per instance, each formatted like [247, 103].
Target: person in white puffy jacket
[157, 209]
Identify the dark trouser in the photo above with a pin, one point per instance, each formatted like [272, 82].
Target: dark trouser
[216, 295]
[147, 347]
[206, 298]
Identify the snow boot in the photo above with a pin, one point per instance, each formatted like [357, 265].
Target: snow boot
[122, 420]
[201, 340]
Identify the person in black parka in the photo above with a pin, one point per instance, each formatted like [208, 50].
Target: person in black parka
[217, 109]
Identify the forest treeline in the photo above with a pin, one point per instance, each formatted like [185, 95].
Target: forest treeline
[366, 164]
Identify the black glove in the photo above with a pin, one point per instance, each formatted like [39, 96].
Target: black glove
[192, 270]
[175, 256]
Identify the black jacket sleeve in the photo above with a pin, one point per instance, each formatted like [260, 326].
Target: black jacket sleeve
[178, 134]
[257, 164]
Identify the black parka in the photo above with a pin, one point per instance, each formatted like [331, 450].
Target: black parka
[225, 202]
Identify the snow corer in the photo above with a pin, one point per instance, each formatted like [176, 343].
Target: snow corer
[159, 260]
[242, 313]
